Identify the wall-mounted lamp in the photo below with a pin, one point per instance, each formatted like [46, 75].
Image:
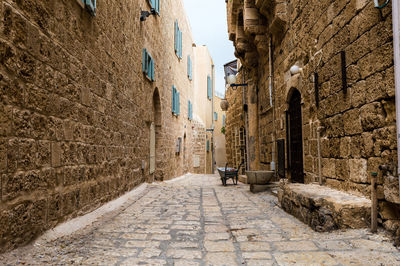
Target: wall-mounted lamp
[231, 83]
[294, 70]
[231, 80]
[145, 14]
[377, 5]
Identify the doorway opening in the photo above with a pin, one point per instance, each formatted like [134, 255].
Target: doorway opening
[295, 138]
[155, 136]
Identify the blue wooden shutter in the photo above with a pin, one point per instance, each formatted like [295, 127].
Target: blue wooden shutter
[176, 36]
[180, 44]
[152, 70]
[91, 6]
[208, 146]
[188, 109]
[223, 120]
[158, 6]
[148, 68]
[173, 99]
[215, 116]
[188, 66]
[191, 75]
[144, 60]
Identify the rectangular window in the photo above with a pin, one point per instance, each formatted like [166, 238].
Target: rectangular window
[178, 40]
[189, 68]
[190, 110]
[223, 120]
[91, 6]
[208, 146]
[148, 65]
[155, 4]
[175, 101]
[215, 116]
[209, 88]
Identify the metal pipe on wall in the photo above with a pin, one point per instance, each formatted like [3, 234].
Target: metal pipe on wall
[396, 48]
[319, 155]
[212, 119]
[272, 104]
[246, 125]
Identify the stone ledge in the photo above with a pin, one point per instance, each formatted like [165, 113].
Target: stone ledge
[325, 209]
[243, 179]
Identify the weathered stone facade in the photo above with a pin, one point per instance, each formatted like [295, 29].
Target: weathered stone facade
[76, 108]
[235, 129]
[219, 136]
[345, 91]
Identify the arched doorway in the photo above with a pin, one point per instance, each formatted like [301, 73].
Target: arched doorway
[295, 138]
[152, 148]
[155, 135]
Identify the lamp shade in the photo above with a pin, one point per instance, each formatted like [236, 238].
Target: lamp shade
[231, 79]
[294, 70]
[224, 105]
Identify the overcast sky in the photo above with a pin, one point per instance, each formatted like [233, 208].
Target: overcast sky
[209, 27]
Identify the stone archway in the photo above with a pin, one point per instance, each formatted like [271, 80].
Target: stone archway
[295, 137]
[155, 137]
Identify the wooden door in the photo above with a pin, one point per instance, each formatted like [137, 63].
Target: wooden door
[296, 138]
[152, 148]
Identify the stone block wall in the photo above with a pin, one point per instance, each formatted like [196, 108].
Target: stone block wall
[358, 123]
[76, 109]
[199, 148]
[235, 120]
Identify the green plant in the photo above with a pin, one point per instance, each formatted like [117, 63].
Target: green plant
[223, 130]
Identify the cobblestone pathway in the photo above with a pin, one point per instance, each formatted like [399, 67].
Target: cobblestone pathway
[196, 221]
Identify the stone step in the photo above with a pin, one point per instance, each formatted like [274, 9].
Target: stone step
[255, 188]
[243, 179]
[323, 208]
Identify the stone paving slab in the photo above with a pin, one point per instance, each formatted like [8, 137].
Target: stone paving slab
[196, 221]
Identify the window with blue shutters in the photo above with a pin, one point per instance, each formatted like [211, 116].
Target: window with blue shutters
[91, 6]
[209, 88]
[178, 40]
[155, 4]
[215, 116]
[176, 109]
[189, 67]
[223, 120]
[190, 110]
[208, 145]
[148, 65]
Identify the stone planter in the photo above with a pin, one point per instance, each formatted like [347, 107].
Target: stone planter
[259, 177]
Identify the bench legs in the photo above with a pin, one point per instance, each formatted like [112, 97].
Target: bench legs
[234, 180]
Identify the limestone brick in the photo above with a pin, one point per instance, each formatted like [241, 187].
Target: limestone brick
[358, 125]
[76, 108]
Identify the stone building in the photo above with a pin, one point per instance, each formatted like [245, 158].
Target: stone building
[219, 134]
[94, 101]
[204, 95]
[320, 101]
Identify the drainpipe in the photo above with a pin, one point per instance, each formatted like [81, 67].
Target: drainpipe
[246, 126]
[272, 105]
[319, 155]
[396, 48]
[212, 119]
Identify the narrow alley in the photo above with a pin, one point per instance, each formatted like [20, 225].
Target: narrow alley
[194, 220]
[116, 116]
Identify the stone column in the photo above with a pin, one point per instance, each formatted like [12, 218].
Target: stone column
[254, 145]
